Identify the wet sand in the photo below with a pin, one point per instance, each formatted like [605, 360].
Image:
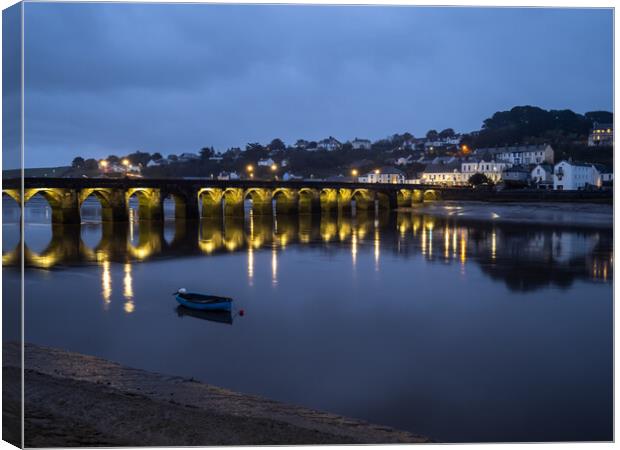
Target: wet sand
[78, 400]
[581, 215]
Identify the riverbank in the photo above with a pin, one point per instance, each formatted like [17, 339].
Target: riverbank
[79, 400]
[579, 215]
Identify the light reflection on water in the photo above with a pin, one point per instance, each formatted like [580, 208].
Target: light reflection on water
[460, 331]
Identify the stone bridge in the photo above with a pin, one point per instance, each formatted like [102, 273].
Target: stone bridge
[195, 198]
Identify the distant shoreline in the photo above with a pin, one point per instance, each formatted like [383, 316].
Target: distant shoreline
[563, 214]
[80, 400]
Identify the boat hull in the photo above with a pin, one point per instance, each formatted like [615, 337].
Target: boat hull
[223, 305]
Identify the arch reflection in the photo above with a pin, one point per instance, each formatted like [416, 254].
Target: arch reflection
[524, 258]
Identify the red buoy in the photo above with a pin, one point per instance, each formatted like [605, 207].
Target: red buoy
[241, 312]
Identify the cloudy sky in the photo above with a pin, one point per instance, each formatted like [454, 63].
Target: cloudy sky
[114, 78]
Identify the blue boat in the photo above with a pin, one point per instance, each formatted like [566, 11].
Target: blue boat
[203, 302]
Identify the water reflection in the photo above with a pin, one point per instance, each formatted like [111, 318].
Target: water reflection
[523, 257]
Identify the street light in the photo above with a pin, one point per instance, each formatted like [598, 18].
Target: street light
[274, 167]
[125, 162]
[103, 163]
[354, 172]
[377, 171]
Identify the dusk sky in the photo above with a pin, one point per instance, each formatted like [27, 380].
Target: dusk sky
[107, 79]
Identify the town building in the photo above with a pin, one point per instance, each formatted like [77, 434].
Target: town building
[518, 155]
[602, 134]
[329, 144]
[491, 169]
[542, 176]
[572, 176]
[384, 175]
[444, 174]
[361, 144]
[187, 157]
[516, 176]
[265, 162]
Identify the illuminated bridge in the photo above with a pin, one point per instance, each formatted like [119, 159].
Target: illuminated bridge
[195, 198]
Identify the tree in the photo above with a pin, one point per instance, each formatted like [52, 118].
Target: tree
[156, 156]
[478, 178]
[207, 152]
[432, 135]
[277, 144]
[139, 158]
[447, 133]
[173, 157]
[78, 162]
[91, 164]
[113, 159]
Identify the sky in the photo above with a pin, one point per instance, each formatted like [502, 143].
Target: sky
[105, 79]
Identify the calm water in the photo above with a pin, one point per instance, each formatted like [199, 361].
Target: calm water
[455, 330]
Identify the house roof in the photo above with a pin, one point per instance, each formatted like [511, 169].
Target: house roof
[545, 167]
[511, 149]
[443, 168]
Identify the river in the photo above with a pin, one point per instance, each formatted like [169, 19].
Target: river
[458, 330]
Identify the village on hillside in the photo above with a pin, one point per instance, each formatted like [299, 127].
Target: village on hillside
[581, 159]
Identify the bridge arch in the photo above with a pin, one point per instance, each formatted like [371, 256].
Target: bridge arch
[404, 198]
[285, 200]
[329, 199]
[233, 199]
[185, 204]
[211, 202]
[261, 201]
[431, 195]
[309, 201]
[364, 200]
[150, 205]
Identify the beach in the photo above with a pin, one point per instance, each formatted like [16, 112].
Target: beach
[79, 400]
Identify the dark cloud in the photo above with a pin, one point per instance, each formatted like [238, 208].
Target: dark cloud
[111, 78]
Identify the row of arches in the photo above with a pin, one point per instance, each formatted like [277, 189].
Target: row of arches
[66, 204]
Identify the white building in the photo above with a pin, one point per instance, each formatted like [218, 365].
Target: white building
[542, 175]
[228, 176]
[518, 155]
[329, 144]
[361, 144]
[384, 175]
[526, 154]
[572, 176]
[444, 175]
[491, 169]
[265, 162]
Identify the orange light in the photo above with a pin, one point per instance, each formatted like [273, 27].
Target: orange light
[274, 167]
[250, 168]
[377, 171]
[103, 163]
[354, 172]
[125, 162]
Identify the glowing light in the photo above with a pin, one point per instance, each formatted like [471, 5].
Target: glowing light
[103, 163]
[274, 167]
[125, 162]
[463, 255]
[493, 245]
[274, 266]
[377, 171]
[354, 248]
[354, 172]
[250, 265]
[446, 243]
[377, 249]
[106, 283]
[250, 168]
[128, 290]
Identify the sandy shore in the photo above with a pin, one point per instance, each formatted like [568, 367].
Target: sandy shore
[582, 215]
[79, 400]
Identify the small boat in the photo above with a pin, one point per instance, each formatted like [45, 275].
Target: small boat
[203, 302]
[212, 316]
